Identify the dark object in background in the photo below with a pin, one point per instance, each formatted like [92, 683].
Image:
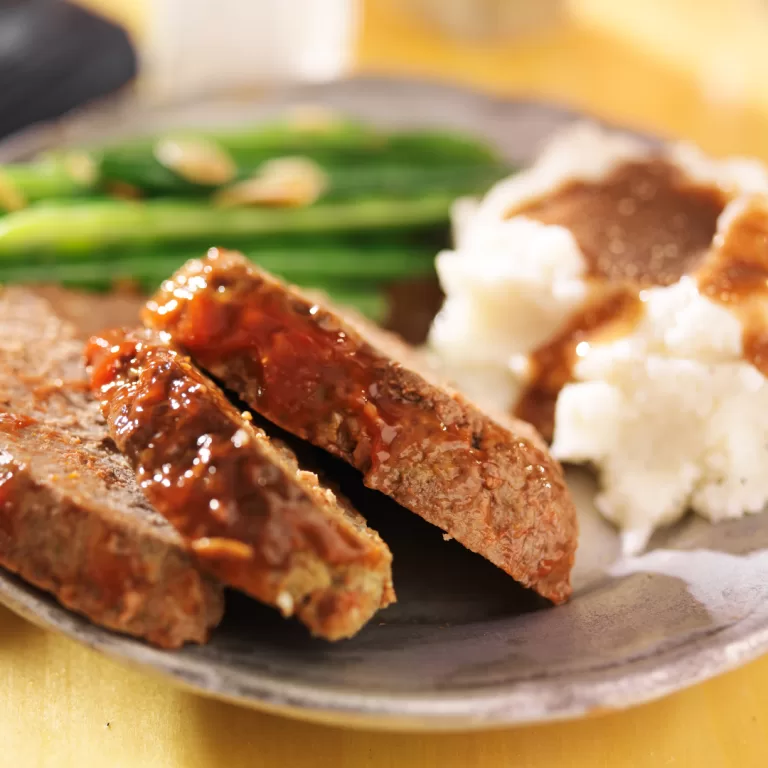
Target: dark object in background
[55, 56]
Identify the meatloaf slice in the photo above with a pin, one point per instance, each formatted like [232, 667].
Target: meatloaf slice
[359, 394]
[253, 518]
[73, 520]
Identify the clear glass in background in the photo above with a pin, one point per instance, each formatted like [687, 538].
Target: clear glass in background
[191, 48]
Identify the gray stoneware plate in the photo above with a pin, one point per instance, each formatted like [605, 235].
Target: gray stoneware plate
[464, 647]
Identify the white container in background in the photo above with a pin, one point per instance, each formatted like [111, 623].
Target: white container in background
[198, 47]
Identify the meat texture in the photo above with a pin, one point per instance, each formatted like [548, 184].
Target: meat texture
[252, 517]
[73, 520]
[357, 392]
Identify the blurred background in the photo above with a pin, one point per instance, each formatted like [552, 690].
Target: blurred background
[693, 68]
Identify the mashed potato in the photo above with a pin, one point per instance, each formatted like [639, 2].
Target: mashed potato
[669, 411]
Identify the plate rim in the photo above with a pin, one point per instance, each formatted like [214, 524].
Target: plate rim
[714, 653]
[566, 697]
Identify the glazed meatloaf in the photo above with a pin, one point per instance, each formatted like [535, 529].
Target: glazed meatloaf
[73, 520]
[361, 395]
[251, 516]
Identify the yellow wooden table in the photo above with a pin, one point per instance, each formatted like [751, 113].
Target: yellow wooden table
[63, 706]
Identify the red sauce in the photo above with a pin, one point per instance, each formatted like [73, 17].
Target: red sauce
[13, 422]
[107, 355]
[736, 276]
[307, 368]
[181, 435]
[645, 225]
[7, 481]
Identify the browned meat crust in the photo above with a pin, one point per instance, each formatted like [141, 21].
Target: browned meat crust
[337, 383]
[90, 313]
[251, 516]
[73, 521]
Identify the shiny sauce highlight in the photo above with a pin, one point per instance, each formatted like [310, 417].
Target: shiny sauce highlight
[197, 461]
[307, 368]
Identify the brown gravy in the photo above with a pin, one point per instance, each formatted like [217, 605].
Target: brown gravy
[736, 275]
[646, 224]
[612, 314]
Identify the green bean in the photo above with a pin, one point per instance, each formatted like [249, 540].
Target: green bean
[98, 224]
[319, 265]
[362, 292]
[51, 177]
